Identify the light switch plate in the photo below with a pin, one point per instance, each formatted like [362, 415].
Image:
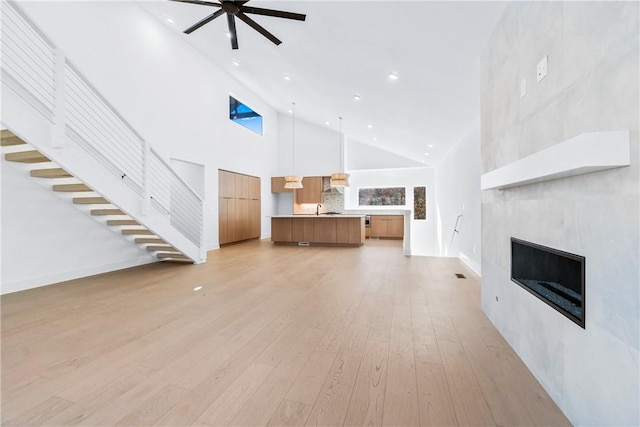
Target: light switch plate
[542, 68]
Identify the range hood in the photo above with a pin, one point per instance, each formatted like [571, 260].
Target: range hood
[326, 186]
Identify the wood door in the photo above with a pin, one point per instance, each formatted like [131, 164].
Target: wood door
[302, 229]
[277, 185]
[281, 229]
[324, 230]
[378, 226]
[349, 230]
[254, 188]
[226, 184]
[244, 223]
[254, 219]
[223, 221]
[241, 186]
[233, 220]
[311, 191]
[395, 227]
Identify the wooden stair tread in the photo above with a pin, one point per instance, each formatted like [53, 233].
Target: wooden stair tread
[162, 255]
[107, 212]
[50, 173]
[8, 138]
[155, 248]
[177, 260]
[122, 222]
[152, 240]
[137, 231]
[71, 187]
[31, 156]
[90, 201]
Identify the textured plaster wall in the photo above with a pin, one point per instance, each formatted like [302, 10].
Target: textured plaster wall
[592, 85]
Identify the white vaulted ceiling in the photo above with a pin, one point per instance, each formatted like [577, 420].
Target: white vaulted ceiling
[348, 48]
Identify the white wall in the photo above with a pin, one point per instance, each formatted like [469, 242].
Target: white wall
[592, 85]
[35, 253]
[317, 148]
[458, 190]
[423, 233]
[171, 94]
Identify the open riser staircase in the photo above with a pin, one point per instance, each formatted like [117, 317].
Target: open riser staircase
[31, 161]
[57, 128]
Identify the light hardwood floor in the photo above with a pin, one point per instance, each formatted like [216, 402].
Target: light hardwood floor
[276, 336]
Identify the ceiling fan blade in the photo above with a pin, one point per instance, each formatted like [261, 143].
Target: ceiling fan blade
[232, 31]
[206, 20]
[200, 2]
[253, 24]
[272, 12]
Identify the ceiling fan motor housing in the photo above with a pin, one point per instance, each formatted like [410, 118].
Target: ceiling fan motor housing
[230, 7]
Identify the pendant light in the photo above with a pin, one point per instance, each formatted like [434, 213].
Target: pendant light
[293, 181]
[340, 179]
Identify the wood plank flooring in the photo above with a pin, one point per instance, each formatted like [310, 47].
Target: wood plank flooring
[277, 335]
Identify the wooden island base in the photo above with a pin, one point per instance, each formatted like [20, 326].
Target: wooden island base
[339, 230]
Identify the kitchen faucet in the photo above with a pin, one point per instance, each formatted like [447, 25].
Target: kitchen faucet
[318, 209]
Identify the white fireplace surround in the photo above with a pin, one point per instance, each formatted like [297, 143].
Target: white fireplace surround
[584, 153]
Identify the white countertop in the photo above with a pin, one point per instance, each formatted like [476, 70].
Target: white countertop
[318, 216]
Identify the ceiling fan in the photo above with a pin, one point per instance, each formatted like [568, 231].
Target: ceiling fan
[238, 9]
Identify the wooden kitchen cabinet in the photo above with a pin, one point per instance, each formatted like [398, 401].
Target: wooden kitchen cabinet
[277, 185]
[226, 184]
[350, 231]
[302, 230]
[311, 191]
[387, 226]
[281, 230]
[324, 230]
[238, 207]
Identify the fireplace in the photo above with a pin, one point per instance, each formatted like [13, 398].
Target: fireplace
[555, 277]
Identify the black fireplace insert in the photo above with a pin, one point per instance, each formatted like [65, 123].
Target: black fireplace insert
[555, 277]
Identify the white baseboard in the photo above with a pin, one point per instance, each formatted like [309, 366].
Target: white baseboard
[476, 267]
[51, 279]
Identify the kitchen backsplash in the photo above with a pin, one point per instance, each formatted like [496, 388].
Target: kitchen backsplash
[332, 201]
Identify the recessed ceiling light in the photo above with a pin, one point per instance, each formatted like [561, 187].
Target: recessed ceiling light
[327, 123]
[393, 76]
[370, 126]
[287, 77]
[236, 63]
[357, 97]
[426, 154]
[169, 20]
[375, 139]
[290, 111]
[430, 145]
[228, 34]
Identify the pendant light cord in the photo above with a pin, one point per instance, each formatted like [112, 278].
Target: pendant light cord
[341, 149]
[293, 138]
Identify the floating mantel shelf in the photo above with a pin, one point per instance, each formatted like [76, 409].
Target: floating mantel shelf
[584, 153]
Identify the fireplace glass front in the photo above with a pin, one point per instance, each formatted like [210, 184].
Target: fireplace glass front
[555, 277]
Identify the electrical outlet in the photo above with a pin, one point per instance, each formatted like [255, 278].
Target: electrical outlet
[542, 68]
[523, 88]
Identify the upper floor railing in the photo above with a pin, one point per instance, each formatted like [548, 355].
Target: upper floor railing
[41, 74]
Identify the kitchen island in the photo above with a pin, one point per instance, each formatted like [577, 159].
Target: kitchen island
[327, 230]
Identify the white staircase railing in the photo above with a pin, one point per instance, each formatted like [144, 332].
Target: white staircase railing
[75, 126]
